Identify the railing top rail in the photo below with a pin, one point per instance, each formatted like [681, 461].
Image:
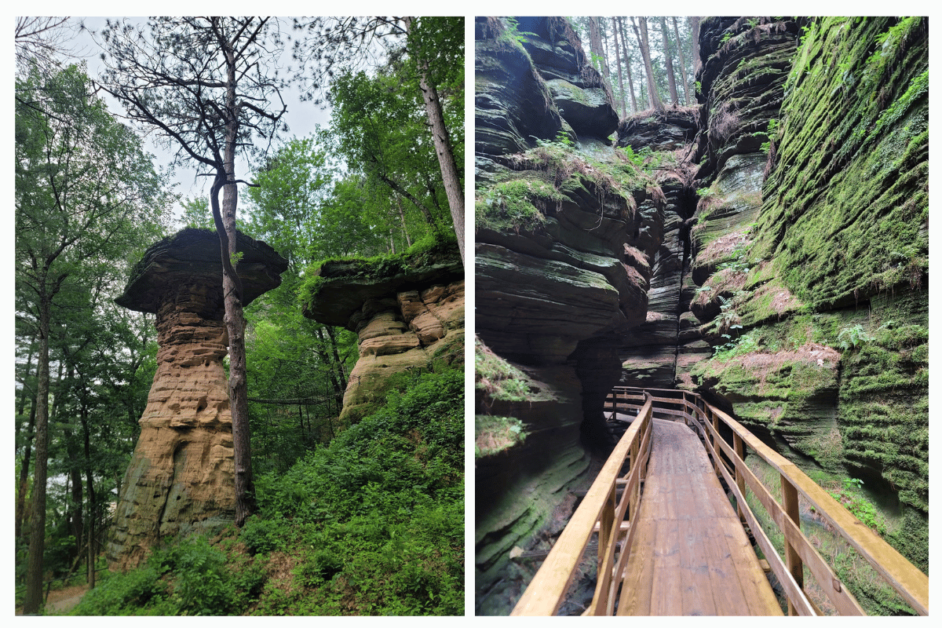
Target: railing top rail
[545, 592]
[675, 390]
[901, 574]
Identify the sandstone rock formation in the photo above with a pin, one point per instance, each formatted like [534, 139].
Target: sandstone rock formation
[181, 477]
[407, 312]
[566, 233]
[811, 250]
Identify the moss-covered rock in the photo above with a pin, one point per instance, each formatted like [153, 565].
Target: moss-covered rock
[832, 254]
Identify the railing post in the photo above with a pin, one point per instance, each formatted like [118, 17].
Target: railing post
[792, 559]
[716, 445]
[606, 520]
[740, 478]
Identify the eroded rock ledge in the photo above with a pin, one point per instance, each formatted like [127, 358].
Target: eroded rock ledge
[407, 311]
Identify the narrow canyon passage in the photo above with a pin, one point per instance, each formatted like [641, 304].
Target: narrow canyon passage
[708, 249]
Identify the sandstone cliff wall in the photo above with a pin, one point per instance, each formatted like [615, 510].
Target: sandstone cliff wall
[567, 229]
[811, 250]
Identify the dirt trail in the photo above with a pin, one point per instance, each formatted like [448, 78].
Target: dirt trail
[64, 600]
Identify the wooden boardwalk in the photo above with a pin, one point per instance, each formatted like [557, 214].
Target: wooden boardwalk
[691, 555]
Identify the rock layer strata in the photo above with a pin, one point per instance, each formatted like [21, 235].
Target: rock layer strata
[407, 313]
[181, 476]
[566, 232]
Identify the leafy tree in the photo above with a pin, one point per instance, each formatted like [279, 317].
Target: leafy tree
[196, 213]
[210, 87]
[85, 190]
[380, 134]
[296, 361]
[433, 54]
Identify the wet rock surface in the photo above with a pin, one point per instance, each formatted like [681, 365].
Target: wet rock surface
[565, 239]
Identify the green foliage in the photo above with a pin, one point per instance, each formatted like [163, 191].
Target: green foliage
[493, 434]
[196, 213]
[433, 248]
[732, 348]
[645, 159]
[516, 205]
[850, 337]
[190, 577]
[497, 377]
[373, 524]
[378, 513]
[853, 500]
[513, 33]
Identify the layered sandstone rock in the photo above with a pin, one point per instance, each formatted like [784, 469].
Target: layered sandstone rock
[407, 314]
[649, 353]
[566, 234]
[180, 478]
[811, 250]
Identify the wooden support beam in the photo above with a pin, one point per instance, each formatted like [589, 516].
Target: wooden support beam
[792, 559]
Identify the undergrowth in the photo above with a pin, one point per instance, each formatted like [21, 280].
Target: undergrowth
[372, 524]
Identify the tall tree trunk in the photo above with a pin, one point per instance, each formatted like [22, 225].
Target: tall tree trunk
[641, 32]
[446, 158]
[92, 510]
[631, 84]
[74, 460]
[402, 217]
[683, 64]
[595, 45]
[336, 382]
[694, 42]
[337, 361]
[669, 62]
[621, 82]
[24, 391]
[238, 389]
[23, 483]
[392, 183]
[37, 533]
[232, 291]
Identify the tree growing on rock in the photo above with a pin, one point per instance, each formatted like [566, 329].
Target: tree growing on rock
[210, 88]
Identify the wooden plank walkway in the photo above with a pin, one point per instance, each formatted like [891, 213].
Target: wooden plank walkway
[691, 555]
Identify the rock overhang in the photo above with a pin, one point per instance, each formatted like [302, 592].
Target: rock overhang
[191, 257]
[344, 286]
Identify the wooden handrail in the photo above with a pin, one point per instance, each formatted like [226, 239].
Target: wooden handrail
[548, 587]
[899, 573]
[604, 510]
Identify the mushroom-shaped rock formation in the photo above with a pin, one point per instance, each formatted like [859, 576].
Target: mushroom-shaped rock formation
[181, 477]
[408, 312]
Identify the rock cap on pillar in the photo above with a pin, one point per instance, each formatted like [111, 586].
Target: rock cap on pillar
[193, 256]
[343, 286]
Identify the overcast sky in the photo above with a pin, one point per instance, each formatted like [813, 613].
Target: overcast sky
[301, 116]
